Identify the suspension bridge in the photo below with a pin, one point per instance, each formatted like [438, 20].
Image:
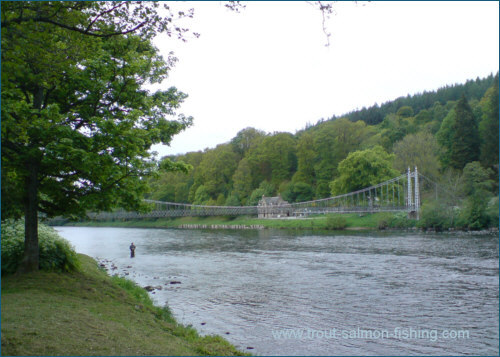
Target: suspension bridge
[401, 193]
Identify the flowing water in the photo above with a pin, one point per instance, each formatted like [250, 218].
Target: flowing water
[287, 293]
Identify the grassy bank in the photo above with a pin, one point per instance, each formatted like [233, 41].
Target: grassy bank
[352, 221]
[90, 313]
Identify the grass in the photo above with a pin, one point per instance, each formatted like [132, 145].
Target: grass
[353, 221]
[89, 313]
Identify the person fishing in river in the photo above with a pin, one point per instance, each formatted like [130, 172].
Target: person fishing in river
[132, 250]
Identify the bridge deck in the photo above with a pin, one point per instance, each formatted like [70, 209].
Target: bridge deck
[397, 194]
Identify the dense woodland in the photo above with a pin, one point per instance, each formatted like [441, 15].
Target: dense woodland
[451, 134]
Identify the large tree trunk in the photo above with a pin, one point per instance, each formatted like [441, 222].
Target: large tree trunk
[31, 259]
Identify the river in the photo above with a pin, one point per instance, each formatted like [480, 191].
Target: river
[273, 292]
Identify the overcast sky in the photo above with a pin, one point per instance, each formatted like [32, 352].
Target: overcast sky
[268, 67]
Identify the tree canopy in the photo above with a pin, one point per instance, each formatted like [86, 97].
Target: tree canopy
[465, 143]
[301, 166]
[77, 124]
[488, 127]
[362, 169]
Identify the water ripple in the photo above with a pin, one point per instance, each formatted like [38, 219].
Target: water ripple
[253, 284]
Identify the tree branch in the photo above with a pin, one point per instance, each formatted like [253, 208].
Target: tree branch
[102, 13]
[72, 28]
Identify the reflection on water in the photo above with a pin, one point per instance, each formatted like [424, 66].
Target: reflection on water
[288, 293]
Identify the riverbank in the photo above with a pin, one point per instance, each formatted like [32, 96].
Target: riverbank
[352, 222]
[90, 313]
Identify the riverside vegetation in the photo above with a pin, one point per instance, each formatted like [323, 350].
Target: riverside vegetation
[434, 216]
[450, 134]
[330, 222]
[72, 307]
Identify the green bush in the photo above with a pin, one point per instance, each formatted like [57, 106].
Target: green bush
[400, 220]
[478, 213]
[56, 253]
[473, 215]
[336, 222]
[437, 216]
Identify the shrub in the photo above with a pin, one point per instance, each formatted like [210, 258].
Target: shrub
[336, 222]
[436, 216]
[478, 213]
[472, 215]
[400, 220]
[56, 253]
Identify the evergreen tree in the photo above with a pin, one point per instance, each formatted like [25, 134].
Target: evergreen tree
[489, 127]
[444, 137]
[465, 138]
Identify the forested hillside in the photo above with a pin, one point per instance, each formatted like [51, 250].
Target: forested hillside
[451, 134]
[473, 89]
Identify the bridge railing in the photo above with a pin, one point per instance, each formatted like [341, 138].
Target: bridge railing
[396, 194]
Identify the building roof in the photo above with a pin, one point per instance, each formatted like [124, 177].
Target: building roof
[274, 201]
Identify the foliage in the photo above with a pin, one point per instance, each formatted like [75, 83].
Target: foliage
[297, 192]
[265, 189]
[376, 113]
[465, 136]
[56, 253]
[418, 130]
[246, 139]
[476, 180]
[242, 179]
[423, 117]
[216, 170]
[473, 214]
[326, 145]
[256, 196]
[488, 127]
[419, 150]
[466, 201]
[476, 187]
[201, 196]
[363, 169]
[275, 159]
[400, 220]
[405, 112]
[232, 200]
[306, 155]
[73, 107]
[336, 222]
[437, 216]
[395, 128]
[492, 212]
[323, 189]
[77, 124]
[444, 137]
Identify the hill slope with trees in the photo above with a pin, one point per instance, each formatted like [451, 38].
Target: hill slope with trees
[451, 135]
